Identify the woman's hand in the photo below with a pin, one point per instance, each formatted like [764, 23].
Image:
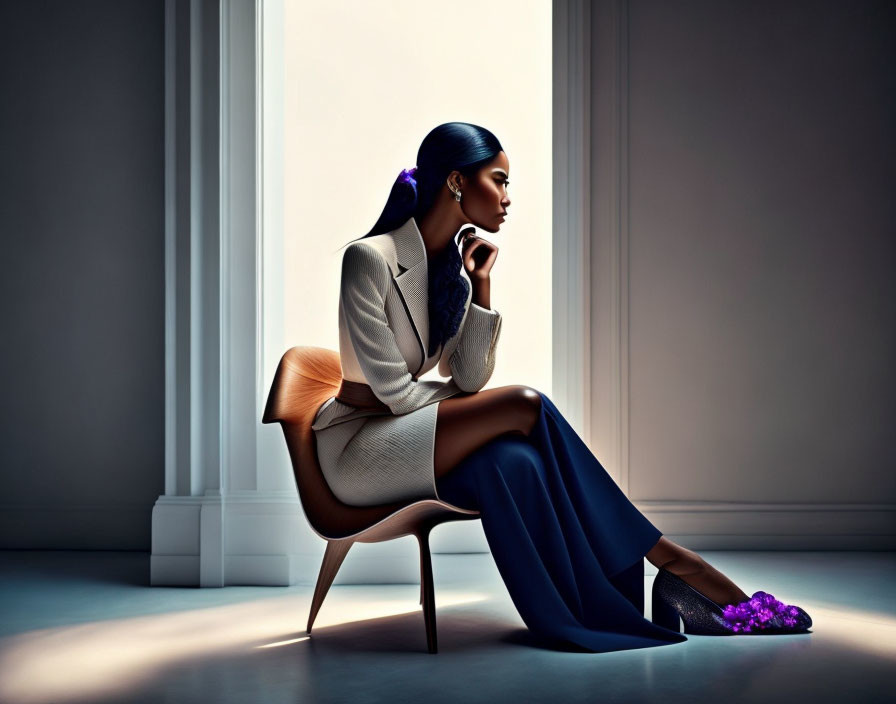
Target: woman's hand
[478, 255]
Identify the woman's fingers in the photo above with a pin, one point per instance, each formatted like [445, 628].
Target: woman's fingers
[485, 258]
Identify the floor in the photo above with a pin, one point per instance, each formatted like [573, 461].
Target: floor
[85, 626]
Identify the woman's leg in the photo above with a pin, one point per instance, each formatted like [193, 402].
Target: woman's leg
[563, 584]
[466, 423]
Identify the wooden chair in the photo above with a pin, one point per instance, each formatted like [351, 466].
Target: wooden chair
[305, 378]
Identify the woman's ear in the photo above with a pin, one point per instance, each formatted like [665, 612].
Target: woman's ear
[457, 180]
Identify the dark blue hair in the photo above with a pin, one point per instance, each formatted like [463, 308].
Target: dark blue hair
[452, 146]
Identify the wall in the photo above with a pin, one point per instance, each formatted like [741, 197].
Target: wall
[82, 221]
[761, 298]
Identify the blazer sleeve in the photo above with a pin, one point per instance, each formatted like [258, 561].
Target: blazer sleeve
[473, 360]
[366, 279]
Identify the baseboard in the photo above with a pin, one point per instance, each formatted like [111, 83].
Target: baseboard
[266, 541]
[710, 525]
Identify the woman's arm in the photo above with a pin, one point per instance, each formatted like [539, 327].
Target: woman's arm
[473, 360]
[366, 279]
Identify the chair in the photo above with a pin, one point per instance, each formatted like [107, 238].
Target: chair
[305, 378]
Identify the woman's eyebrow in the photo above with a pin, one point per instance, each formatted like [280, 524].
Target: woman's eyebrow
[500, 171]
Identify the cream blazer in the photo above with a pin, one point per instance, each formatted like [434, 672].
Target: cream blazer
[384, 329]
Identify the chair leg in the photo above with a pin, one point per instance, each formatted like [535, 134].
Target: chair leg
[428, 593]
[421, 581]
[333, 557]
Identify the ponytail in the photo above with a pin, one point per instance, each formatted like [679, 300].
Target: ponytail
[401, 204]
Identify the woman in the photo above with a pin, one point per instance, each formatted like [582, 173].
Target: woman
[568, 543]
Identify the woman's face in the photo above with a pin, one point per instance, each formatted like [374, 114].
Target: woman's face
[484, 197]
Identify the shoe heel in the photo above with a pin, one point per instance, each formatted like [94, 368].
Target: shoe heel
[664, 614]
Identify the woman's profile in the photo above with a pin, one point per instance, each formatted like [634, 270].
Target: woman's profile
[415, 294]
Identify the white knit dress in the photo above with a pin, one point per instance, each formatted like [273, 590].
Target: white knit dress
[369, 457]
[381, 458]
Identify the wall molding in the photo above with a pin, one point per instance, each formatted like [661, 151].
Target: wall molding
[571, 254]
[216, 448]
[610, 235]
[727, 525]
[261, 532]
[673, 506]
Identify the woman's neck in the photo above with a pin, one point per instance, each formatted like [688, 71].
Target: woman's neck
[438, 227]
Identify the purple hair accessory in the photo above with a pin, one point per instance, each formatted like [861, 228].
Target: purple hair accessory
[408, 176]
[761, 612]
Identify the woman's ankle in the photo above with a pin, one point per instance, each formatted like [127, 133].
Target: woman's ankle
[710, 582]
[686, 565]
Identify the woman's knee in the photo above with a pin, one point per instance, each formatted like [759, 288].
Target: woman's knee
[529, 401]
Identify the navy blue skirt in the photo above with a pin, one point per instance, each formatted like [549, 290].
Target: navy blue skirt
[567, 542]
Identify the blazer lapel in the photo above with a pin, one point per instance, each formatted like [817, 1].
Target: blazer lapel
[413, 280]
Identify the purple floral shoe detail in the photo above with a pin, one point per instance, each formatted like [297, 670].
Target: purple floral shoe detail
[676, 602]
[762, 612]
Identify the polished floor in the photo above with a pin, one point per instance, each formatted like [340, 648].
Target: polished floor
[85, 627]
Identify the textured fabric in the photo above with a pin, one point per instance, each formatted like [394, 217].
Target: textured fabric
[568, 543]
[381, 459]
[383, 321]
[448, 291]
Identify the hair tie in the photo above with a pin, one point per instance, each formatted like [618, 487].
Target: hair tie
[408, 176]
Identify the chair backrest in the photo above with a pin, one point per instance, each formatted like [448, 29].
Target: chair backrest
[305, 378]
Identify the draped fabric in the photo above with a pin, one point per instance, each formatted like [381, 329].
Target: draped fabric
[567, 542]
[447, 296]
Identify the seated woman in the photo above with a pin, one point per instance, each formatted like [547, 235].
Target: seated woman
[567, 542]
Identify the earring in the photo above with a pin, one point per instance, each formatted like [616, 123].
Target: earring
[456, 193]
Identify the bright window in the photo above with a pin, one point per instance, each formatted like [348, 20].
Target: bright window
[362, 84]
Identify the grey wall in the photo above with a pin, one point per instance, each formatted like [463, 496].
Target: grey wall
[82, 221]
[762, 250]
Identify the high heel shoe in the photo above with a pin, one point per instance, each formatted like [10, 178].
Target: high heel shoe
[762, 614]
